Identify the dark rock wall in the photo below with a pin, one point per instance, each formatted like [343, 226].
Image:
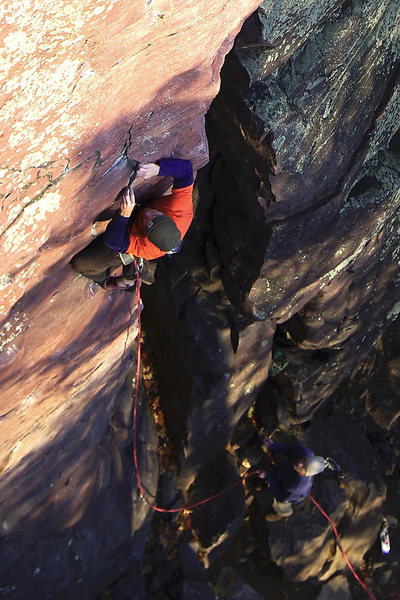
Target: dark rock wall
[293, 255]
[297, 216]
[78, 547]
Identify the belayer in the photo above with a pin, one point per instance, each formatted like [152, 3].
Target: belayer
[290, 481]
[151, 232]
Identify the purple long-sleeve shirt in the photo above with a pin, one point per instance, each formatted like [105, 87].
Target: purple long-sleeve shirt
[285, 483]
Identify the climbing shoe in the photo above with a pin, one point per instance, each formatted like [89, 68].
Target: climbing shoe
[273, 517]
[119, 283]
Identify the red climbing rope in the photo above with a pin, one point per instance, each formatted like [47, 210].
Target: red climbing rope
[335, 531]
[135, 458]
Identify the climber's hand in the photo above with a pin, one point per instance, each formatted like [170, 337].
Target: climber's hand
[262, 474]
[267, 443]
[127, 202]
[147, 170]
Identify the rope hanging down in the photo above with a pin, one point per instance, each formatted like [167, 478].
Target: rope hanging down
[135, 457]
[190, 506]
[335, 531]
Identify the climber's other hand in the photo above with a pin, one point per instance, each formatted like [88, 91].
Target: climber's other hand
[127, 202]
[267, 443]
[147, 170]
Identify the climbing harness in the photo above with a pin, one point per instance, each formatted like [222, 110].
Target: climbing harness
[335, 531]
[135, 403]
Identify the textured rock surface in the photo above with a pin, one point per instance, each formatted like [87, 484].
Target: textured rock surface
[195, 586]
[293, 256]
[297, 217]
[234, 588]
[216, 522]
[71, 518]
[335, 588]
[305, 166]
[209, 383]
[84, 86]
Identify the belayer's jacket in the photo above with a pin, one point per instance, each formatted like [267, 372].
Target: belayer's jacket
[130, 237]
[286, 484]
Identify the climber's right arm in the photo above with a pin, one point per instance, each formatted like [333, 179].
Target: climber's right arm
[116, 236]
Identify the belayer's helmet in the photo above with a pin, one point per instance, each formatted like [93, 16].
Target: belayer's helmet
[315, 465]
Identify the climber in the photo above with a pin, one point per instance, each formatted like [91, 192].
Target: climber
[291, 481]
[149, 233]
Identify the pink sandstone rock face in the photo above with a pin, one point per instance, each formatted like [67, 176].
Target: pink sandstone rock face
[84, 86]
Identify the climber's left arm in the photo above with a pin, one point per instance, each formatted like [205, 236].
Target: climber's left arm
[178, 168]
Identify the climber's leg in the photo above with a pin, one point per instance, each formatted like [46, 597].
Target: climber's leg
[96, 261]
[146, 273]
[281, 510]
[119, 283]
